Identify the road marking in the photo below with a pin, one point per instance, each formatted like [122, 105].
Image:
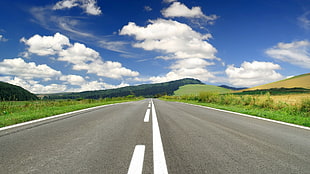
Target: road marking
[160, 166]
[149, 105]
[147, 116]
[136, 164]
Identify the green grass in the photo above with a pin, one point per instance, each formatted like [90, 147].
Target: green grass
[196, 89]
[261, 106]
[13, 112]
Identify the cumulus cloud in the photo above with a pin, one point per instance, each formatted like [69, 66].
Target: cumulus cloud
[186, 68]
[177, 9]
[177, 39]
[89, 6]
[46, 45]
[18, 67]
[77, 54]
[110, 69]
[297, 53]
[35, 86]
[253, 73]
[2, 38]
[73, 79]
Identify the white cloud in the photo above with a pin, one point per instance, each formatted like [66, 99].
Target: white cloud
[178, 9]
[117, 46]
[90, 86]
[69, 24]
[89, 6]
[45, 17]
[34, 86]
[80, 84]
[186, 68]
[110, 69]
[304, 20]
[18, 67]
[80, 56]
[97, 85]
[147, 8]
[253, 74]
[2, 38]
[178, 42]
[46, 45]
[73, 79]
[190, 63]
[84, 58]
[297, 53]
[176, 39]
[168, 1]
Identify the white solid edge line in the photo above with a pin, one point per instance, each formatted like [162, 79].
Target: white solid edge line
[160, 166]
[251, 116]
[147, 116]
[136, 164]
[55, 116]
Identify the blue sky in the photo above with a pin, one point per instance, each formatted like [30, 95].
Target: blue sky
[78, 45]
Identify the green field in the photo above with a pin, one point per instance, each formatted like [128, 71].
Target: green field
[258, 105]
[196, 89]
[13, 112]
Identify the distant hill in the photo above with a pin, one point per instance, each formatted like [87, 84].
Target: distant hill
[196, 89]
[300, 81]
[9, 92]
[145, 90]
[232, 88]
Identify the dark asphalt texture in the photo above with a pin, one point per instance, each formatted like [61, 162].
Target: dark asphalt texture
[195, 140]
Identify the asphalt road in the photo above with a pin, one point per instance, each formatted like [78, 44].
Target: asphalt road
[186, 139]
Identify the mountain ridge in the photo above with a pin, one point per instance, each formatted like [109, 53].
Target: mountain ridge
[144, 90]
[10, 92]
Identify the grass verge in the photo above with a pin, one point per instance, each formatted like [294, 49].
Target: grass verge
[13, 112]
[266, 108]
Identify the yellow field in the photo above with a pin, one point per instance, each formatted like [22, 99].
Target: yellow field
[301, 81]
[292, 99]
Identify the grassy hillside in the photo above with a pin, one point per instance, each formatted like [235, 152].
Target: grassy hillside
[145, 90]
[22, 111]
[301, 81]
[196, 89]
[9, 92]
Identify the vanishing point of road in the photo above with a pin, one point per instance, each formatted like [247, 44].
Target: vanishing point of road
[154, 136]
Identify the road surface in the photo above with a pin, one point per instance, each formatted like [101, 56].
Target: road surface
[187, 139]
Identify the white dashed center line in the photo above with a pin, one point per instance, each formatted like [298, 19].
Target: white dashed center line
[147, 116]
[159, 161]
[136, 164]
